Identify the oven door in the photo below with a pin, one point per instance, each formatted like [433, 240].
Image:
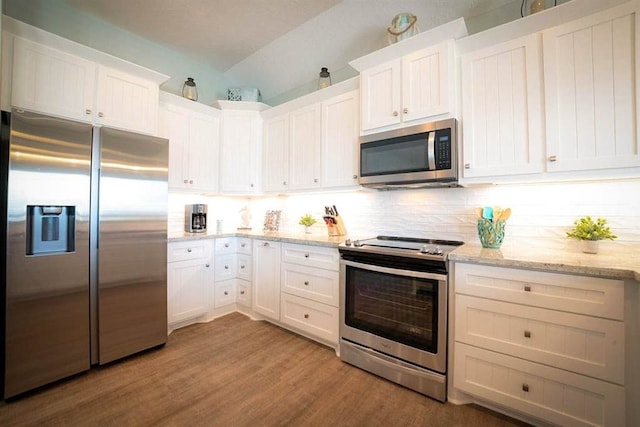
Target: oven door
[398, 312]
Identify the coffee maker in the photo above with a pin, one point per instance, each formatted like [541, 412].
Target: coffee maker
[195, 218]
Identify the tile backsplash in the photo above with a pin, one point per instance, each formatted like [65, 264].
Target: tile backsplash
[539, 210]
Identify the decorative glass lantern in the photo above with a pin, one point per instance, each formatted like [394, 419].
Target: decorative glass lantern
[189, 90]
[325, 78]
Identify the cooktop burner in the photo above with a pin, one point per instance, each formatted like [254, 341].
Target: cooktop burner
[403, 246]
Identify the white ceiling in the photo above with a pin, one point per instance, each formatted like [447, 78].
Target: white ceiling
[219, 33]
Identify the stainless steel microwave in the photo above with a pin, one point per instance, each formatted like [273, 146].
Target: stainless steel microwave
[416, 156]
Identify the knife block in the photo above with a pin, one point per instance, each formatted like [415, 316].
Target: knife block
[336, 228]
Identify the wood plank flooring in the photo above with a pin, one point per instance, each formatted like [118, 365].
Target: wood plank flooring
[235, 372]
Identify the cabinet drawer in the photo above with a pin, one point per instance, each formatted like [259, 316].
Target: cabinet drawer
[225, 293]
[243, 245]
[550, 394]
[226, 245]
[243, 292]
[313, 283]
[319, 320]
[225, 267]
[583, 344]
[183, 251]
[578, 294]
[243, 267]
[311, 256]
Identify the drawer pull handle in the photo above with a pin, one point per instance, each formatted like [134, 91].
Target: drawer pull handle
[306, 283]
[241, 292]
[188, 249]
[226, 293]
[226, 245]
[467, 165]
[527, 288]
[87, 111]
[395, 114]
[190, 181]
[525, 387]
[306, 255]
[306, 316]
[553, 158]
[405, 110]
[206, 265]
[226, 267]
[527, 334]
[265, 244]
[242, 245]
[101, 114]
[242, 266]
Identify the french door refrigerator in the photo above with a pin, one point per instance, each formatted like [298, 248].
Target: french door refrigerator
[85, 239]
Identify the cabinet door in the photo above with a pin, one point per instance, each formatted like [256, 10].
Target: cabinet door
[126, 102]
[241, 143]
[381, 98]
[425, 82]
[304, 148]
[50, 81]
[340, 141]
[202, 166]
[187, 289]
[266, 278]
[174, 125]
[502, 109]
[591, 91]
[276, 153]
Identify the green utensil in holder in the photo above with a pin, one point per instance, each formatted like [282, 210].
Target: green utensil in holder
[491, 233]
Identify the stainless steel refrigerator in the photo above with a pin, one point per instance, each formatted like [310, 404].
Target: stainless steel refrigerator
[85, 242]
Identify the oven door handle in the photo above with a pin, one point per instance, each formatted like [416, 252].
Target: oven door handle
[396, 271]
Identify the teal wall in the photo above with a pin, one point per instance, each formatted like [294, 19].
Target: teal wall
[56, 16]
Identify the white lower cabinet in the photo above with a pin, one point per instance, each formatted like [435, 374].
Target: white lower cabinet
[232, 272]
[547, 345]
[266, 278]
[310, 287]
[189, 279]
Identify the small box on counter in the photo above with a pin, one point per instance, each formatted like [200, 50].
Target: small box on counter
[244, 94]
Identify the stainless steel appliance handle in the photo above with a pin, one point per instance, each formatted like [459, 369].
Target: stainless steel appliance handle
[431, 150]
[396, 271]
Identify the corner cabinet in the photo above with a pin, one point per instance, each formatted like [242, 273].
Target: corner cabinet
[548, 345]
[415, 87]
[502, 108]
[591, 88]
[241, 147]
[52, 81]
[193, 131]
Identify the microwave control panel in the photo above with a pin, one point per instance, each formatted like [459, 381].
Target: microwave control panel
[443, 149]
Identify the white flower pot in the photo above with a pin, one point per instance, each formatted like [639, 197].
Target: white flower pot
[590, 246]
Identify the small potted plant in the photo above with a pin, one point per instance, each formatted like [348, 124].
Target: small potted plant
[590, 233]
[307, 220]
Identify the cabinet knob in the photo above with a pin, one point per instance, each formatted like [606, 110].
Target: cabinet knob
[186, 181]
[251, 185]
[527, 334]
[188, 249]
[241, 292]
[306, 316]
[553, 158]
[525, 387]
[265, 244]
[527, 288]
[467, 165]
[206, 265]
[242, 245]
[306, 255]
[226, 267]
[315, 180]
[284, 182]
[190, 181]
[406, 110]
[87, 111]
[395, 114]
[242, 266]
[306, 283]
[355, 176]
[226, 245]
[101, 114]
[226, 292]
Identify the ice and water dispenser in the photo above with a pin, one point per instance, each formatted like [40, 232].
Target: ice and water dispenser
[50, 229]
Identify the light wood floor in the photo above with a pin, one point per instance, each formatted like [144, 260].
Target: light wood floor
[236, 372]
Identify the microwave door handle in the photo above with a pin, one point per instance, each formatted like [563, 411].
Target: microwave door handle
[431, 150]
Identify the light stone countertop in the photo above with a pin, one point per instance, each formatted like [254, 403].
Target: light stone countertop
[614, 260]
[275, 236]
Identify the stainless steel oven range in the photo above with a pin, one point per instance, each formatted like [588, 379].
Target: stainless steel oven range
[393, 310]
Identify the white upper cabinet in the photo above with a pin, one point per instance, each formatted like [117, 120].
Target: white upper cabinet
[304, 151]
[502, 109]
[240, 170]
[52, 81]
[193, 131]
[276, 153]
[591, 91]
[415, 87]
[340, 132]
